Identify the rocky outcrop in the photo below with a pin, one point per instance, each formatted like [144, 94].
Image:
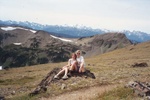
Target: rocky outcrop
[140, 88]
[43, 85]
[143, 64]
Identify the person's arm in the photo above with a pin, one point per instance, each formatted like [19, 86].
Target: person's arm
[82, 60]
[69, 62]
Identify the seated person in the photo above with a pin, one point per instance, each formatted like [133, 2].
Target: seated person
[72, 66]
[81, 62]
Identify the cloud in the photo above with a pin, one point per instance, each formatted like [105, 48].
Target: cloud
[114, 14]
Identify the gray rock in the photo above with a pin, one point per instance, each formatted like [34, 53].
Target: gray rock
[13, 92]
[63, 86]
[2, 98]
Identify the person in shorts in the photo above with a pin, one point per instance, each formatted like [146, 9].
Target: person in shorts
[71, 66]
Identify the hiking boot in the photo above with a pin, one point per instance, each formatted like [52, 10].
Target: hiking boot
[69, 74]
[56, 77]
[65, 77]
[84, 73]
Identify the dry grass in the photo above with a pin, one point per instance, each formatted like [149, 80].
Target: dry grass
[83, 94]
[118, 93]
[110, 68]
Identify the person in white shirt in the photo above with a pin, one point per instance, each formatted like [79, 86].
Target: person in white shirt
[72, 65]
[81, 62]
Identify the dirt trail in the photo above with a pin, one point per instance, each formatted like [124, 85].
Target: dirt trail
[83, 94]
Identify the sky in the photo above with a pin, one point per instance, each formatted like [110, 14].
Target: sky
[114, 15]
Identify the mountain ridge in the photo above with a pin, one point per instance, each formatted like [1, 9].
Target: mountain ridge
[38, 47]
[76, 32]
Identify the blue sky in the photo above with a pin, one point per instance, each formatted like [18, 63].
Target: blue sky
[104, 14]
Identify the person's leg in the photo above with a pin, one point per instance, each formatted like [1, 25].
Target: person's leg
[73, 67]
[66, 71]
[81, 69]
[60, 72]
[63, 69]
[65, 75]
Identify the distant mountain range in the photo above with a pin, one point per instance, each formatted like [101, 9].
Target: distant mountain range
[75, 32]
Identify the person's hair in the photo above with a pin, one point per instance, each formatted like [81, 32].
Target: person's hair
[74, 54]
[78, 51]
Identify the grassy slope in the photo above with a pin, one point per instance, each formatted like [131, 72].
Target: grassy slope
[109, 68]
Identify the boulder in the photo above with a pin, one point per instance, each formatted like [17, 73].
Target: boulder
[143, 64]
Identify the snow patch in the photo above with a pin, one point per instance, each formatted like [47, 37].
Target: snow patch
[17, 43]
[129, 34]
[33, 31]
[13, 28]
[1, 67]
[8, 28]
[66, 40]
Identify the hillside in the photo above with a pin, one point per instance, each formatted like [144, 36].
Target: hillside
[26, 37]
[21, 46]
[99, 44]
[112, 70]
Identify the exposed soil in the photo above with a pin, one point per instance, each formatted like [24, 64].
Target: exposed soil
[83, 94]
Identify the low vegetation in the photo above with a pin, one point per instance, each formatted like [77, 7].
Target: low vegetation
[18, 56]
[113, 68]
[119, 93]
